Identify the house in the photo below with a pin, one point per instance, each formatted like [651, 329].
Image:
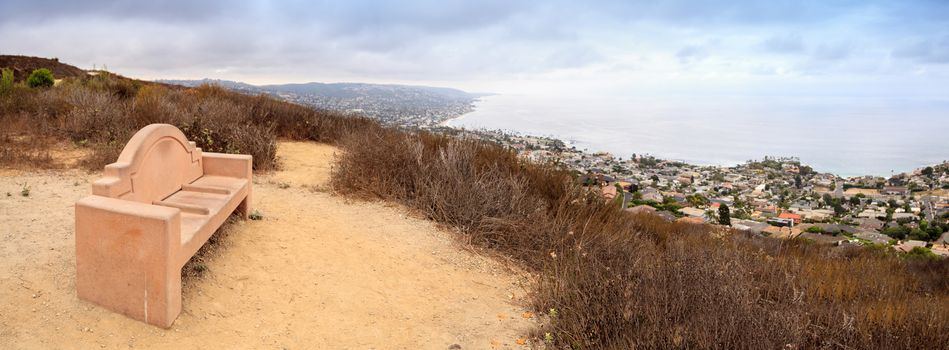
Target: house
[641, 209]
[651, 194]
[825, 239]
[838, 228]
[816, 214]
[665, 214]
[609, 192]
[801, 205]
[869, 223]
[872, 236]
[684, 179]
[944, 239]
[767, 209]
[909, 245]
[872, 214]
[795, 217]
[895, 190]
[791, 168]
[693, 212]
[897, 216]
[781, 222]
[940, 249]
[749, 225]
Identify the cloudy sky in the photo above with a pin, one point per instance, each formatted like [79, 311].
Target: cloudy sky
[853, 48]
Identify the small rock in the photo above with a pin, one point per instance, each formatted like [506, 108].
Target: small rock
[454, 347]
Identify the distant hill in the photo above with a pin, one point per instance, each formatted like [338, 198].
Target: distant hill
[22, 66]
[403, 105]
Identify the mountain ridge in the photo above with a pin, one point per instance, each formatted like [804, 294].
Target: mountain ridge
[392, 104]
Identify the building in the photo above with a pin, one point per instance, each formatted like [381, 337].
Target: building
[641, 209]
[909, 245]
[693, 212]
[795, 217]
[895, 190]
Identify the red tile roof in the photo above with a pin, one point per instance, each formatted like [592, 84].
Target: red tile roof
[790, 216]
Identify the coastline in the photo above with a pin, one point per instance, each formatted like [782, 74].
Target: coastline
[590, 148]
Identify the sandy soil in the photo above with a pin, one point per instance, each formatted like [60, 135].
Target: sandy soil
[317, 272]
[866, 191]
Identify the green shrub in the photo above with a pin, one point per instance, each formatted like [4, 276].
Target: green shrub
[921, 253]
[6, 81]
[814, 229]
[898, 232]
[40, 78]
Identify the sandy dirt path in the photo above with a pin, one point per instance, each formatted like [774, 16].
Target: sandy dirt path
[318, 272]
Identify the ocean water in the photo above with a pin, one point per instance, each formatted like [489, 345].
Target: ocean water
[845, 136]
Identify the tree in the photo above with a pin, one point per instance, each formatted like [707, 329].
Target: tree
[928, 171]
[633, 187]
[854, 201]
[40, 78]
[797, 181]
[711, 215]
[898, 232]
[838, 209]
[724, 216]
[697, 200]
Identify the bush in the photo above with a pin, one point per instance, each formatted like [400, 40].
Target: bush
[898, 232]
[40, 78]
[621, 281]
[921, 253]
[814, 229]
[103, 111]
[6, 80]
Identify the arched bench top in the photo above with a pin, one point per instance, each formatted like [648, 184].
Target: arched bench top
[155, 163]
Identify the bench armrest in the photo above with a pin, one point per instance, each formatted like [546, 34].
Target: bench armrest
[127, 257]
[231, 165]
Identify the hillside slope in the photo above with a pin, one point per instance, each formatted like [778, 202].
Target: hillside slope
[316, 272]
[22, 66]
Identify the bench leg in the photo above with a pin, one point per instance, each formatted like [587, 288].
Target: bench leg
[127, 263]
[244, 208]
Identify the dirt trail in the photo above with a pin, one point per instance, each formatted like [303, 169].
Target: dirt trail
[317, 272]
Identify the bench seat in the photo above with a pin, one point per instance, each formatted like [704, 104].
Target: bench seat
[218, 207]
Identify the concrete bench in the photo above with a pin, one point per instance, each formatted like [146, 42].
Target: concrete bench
[150, 213]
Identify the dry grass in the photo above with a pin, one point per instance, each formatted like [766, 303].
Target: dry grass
[616, 280]
[102, 112]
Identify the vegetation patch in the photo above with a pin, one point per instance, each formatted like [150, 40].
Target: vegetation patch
[619, 280]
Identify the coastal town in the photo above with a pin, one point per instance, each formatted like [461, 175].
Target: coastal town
[777, 197]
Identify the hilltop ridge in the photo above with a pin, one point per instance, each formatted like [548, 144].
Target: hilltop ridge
[392, 104]
[22, 66]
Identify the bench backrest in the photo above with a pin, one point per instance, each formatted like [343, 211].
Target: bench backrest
[153, 165]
